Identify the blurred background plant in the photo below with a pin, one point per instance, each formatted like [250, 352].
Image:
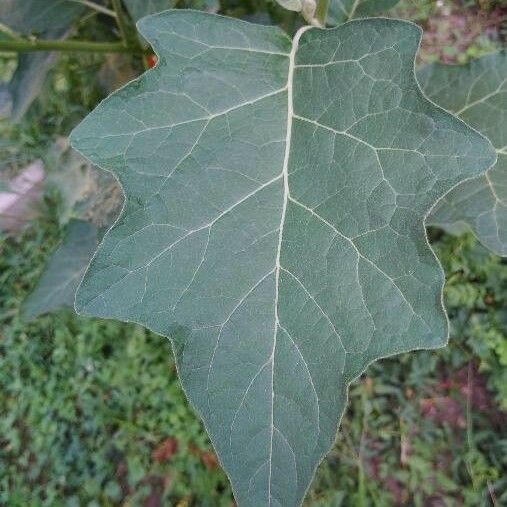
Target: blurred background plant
[91, 411]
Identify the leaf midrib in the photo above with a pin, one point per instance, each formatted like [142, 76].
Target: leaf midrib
[286, 195]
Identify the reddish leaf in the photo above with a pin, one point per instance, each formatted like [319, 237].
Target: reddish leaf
[165, 450]
[157, 485]
[210, 460]
[448, 405]
[444, 409]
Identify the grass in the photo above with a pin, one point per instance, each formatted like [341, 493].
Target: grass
[92, 410]
[426, 428]
[86, 403]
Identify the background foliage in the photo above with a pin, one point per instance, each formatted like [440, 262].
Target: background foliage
[91, 412]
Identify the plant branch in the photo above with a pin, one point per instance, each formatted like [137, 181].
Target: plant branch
[27, 45]
[121, 22]
[96, 7]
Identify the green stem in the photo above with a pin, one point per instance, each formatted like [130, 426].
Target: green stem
[25, 45]
[321, 12]
[353, 10]
[96, 7]
[361, 480]
[121, 22]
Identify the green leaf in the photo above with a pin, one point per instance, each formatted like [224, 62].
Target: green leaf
[64, 271]
[341, 11]
[49, 19]
[39, 16]
[28, 80]
[138, 10]
[70, 174]
[477, 93]
[273, 224]
[5, 101]
[292, 5]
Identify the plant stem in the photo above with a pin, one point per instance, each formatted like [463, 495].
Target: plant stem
[26, 45]
[361, 480]
[321, 12]
[353, 10]
[96, 7]
[121, 22]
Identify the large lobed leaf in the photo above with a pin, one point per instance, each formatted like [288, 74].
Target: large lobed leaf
[273, 225]
[477, 92]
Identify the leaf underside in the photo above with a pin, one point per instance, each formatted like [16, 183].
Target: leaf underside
[477, 92]
[273, 224]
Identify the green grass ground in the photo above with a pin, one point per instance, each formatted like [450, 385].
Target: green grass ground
[92, 413]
